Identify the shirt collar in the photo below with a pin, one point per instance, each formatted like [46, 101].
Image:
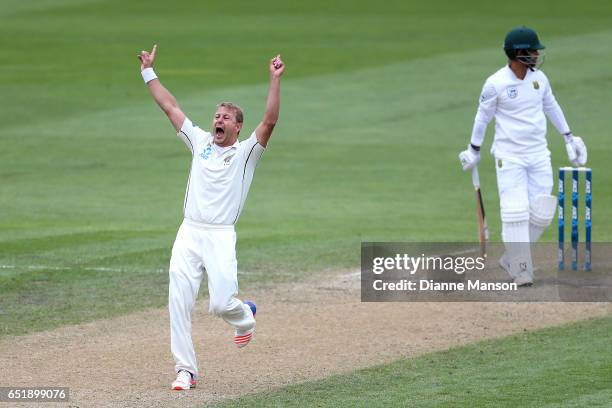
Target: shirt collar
[513, 75]
[220, 150]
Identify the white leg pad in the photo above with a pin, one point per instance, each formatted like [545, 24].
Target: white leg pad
[542, 212]
[515, 214]
[518, 250]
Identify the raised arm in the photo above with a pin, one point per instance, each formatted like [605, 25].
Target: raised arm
[265, 128]
[162, 96]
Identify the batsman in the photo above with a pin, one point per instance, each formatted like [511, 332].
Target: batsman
[520, 98]
[222, 168]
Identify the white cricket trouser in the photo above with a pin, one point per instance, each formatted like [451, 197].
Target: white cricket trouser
[521, 180]
[197, 247]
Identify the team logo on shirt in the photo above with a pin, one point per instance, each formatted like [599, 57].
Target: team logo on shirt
[487, 93]
[206, 152]
[227, 160]
[536, 85]
[512, 93]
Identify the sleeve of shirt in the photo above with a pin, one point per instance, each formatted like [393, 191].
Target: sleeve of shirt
[553, 111]
[191, 135]
[486, 111]
[252, 151]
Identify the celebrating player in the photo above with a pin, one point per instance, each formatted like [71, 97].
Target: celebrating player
[520, 98]
[222, 169]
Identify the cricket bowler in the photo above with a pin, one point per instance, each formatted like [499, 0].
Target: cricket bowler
[221, 172]
[520, 98]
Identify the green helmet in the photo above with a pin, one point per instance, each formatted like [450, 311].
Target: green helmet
[525, 39]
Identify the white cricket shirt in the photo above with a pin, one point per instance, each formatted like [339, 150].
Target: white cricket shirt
[520, 108]
[219, 179]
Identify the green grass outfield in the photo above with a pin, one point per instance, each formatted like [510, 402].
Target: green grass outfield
[567, 366]
[377, 102]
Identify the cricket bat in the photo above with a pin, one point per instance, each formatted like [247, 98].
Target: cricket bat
[483, 230]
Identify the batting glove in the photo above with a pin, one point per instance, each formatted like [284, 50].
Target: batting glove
[576, 150]
[469, 158]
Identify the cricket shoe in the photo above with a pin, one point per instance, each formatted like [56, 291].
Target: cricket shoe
[523, 280]
[242, 338]
[184, 381]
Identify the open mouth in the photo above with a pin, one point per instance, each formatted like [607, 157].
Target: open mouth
[219, 131]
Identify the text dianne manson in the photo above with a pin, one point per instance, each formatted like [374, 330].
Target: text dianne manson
[424, 285]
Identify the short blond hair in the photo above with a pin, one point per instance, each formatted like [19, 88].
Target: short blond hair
[235, 108]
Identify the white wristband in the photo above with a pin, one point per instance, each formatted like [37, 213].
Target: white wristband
[148, 75]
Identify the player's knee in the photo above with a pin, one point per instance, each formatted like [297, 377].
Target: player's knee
[219, 307]
[542, 210]
[177, 278]
[179, 287]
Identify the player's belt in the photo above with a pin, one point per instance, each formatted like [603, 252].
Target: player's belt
[204, 225]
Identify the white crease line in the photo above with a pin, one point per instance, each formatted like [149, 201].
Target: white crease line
[56, 268]
[107, 269]
[349, 275]
[352, 275]
[67, 268]
[262, 273]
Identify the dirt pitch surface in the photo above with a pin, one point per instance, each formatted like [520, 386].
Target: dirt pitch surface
[305, 331]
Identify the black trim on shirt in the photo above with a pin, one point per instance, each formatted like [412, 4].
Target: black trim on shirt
[189, 140]
[188, 178]
[242, 183]
[187, 191]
